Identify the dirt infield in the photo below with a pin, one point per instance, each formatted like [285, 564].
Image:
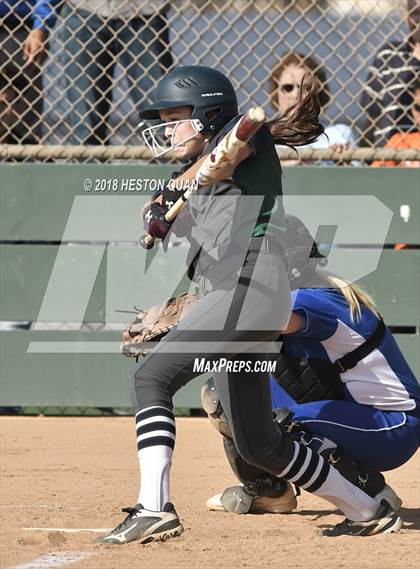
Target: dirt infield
[77, 473]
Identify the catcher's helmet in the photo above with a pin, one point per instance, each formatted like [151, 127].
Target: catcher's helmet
[202, 88]
[303, 256]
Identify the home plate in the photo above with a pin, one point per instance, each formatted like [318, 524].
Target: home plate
[54, 560]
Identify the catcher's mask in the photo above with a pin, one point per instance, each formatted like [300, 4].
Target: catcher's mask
[302, 256]
[157, 141]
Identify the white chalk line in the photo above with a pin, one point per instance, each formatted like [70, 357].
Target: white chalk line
[54, 560]
[38, 506]
[70, 530]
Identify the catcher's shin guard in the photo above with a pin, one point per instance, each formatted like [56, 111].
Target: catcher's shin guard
[212, 406]
[261, 491]
[239, 500]
[257, 483]
[371, 482]
[246, 473]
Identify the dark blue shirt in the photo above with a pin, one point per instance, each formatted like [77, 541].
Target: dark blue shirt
[387, 98]
[383, 379]
[40, 13]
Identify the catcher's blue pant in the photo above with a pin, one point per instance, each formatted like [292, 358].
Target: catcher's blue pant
[375, 439]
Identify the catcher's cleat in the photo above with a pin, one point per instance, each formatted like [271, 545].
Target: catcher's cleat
[386, 521]
[237, 500]
[145, 526]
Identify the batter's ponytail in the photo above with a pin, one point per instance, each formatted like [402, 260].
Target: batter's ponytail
[300, 125]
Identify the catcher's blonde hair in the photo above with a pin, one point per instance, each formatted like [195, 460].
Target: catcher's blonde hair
[355, 296]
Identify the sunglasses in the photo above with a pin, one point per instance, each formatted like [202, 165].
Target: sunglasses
[288, 87]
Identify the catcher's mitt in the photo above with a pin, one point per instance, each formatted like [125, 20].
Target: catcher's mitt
[152, 324]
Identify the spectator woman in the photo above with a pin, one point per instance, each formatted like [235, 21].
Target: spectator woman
[285, 84]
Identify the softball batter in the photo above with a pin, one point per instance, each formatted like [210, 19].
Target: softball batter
[238, 258]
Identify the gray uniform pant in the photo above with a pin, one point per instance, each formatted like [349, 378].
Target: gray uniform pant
[239, 319]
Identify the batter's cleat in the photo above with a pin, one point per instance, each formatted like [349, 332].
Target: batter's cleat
[237, 500]
[391, 497]
[145, 526]
[386, 521]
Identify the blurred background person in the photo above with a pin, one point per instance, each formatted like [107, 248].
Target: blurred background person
[24, 29]
[13, 129]
[285, 84]
[410, 139]
[395, 69]
[95, 35]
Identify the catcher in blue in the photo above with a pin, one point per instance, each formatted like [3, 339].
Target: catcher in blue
[367, 420]
[238, 260]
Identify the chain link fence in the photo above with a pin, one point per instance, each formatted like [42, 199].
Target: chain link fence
[73, 72]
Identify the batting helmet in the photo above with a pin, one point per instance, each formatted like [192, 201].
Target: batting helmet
[202, 88]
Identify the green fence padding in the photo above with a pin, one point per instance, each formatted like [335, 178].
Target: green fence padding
[35, 203]
[395, 187]
[410, 346]
[35, 199]
[395, 286]
[89, 380]
[121, 281]
[71, 379]
[26, 270]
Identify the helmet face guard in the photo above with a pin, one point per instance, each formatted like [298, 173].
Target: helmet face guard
[159, 144]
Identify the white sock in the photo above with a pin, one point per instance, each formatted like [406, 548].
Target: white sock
[351, 500]
[155, 465]
[155, 428]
